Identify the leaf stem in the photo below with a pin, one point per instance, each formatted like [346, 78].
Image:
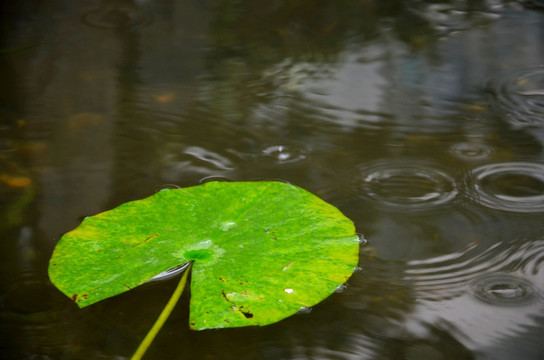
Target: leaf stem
[146, 342]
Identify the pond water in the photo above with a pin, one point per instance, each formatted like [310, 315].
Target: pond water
[422, 121]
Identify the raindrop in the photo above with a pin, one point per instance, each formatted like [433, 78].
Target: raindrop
[407, 185]
[341, 288]
[361, 239]
[283, 154]
[113, 17]
[357, 269]
[470, 151]
[511, 186]
[503, 289]
[520, 95]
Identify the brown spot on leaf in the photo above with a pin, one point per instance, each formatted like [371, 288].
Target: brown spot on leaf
[145, 241]
[287, 266]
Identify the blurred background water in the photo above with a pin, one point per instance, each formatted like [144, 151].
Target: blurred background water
[422, 121]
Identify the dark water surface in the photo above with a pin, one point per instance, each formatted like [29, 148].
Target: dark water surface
[423, 121]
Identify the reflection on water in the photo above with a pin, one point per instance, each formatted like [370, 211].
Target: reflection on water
[421, 121]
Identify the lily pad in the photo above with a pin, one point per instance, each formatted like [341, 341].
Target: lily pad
[261, 251]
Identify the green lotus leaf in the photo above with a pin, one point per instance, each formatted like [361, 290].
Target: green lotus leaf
[261, 251]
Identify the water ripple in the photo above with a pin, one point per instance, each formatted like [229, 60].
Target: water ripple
[206, 156]
[407, 185]
[483, 295]
[510, 186]
[470, 151]
[282, 154]
[275, 154]
[503, 289]
[520, 95]
[501, 274]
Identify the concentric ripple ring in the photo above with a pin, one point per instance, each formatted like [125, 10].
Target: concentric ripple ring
[520, 95]
[407, 185]
[511, 186]
[503, 290]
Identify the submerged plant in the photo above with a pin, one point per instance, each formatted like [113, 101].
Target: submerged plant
[258, 252]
